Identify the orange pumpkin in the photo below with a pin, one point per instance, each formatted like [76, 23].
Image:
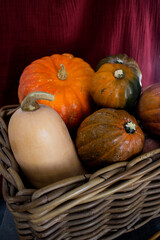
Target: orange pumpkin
[117, 82]
[148, 109]
[67, 78]
[108, 135]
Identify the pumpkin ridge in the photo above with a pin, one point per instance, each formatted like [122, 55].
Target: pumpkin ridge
[44, 64]
[129, 101]
[117, 100]
[115, 125]
[58, 59]
[136, 144]
[151, 112]
[37, 87]
[41, 72]
[81, 104]
[54, 62]
[113, 147]
[96, 139]
[49, 66]
[111, 112]
[37, 78]
[129, 144]
[83, 148]
[84, 128]
[135, 83]
[71, 65]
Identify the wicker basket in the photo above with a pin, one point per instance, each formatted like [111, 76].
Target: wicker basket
[103, 205]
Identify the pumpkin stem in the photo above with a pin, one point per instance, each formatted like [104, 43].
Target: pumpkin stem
[118, 60]
[30, 103]
[62, 74]
[130, 127]
[119, 74]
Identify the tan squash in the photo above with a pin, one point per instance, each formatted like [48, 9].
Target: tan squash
[41, 143]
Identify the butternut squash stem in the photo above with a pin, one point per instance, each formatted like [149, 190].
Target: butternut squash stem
[130, 127]
[30, 103]
[62, 74]
[119, 74]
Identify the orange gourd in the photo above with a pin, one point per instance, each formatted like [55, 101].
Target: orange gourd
[148, 109]
[67, 78]
[117, 82]
[108, 135]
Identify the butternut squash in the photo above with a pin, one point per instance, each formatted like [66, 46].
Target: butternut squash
[41, 143]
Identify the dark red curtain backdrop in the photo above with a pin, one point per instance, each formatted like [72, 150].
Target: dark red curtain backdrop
[90, 29]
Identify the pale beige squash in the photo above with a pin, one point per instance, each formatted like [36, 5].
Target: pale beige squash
[41, 143]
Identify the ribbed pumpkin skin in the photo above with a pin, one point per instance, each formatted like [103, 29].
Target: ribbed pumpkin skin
[102, 138]
[72, 98]
[109, 91]
[149, 108]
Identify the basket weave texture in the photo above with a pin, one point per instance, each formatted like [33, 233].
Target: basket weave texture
[104, 205]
